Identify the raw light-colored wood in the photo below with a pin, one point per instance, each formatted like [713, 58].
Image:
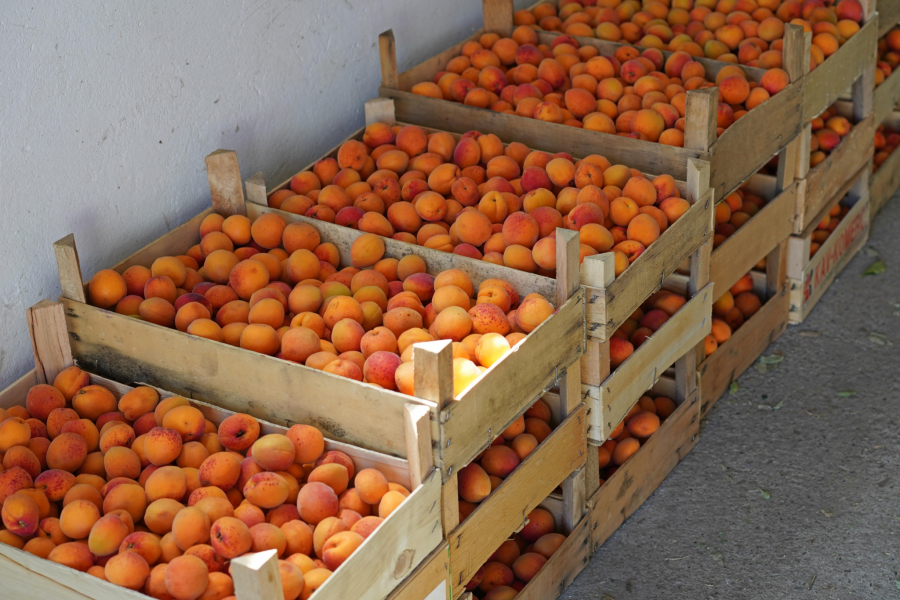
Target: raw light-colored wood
[752, 242]
[638, 478]
[701, 110]
[256, 189]
[419, 453]
[49, 340]
[173, 243]
[380, 110]
[841, 246]
[126, 349]
[388, 51]
[562, 568]
[69, 269]
[740, 351]
[830, 180]
[888, 16]
[574, 488]
[434, 371]
[498, 16]
[450, 505]
[511, 385]
[828, 81]
[225, 183]
[567, 277]
[256, 576]
[430, 581]
[886, 95]
[507, 507]
[611, 401]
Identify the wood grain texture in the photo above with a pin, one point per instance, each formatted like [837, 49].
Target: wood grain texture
[826, 83]
[830, 180]
[610, 402]
[498, 16]
[387, 49]
[506, 508]
[741, 350]
[638, 478]
[888, 16]
[256, 188]
[566, 563]
[831, 258]
[700, 116]
[126, 349]
[17, 391]
[69, 267]
[419, 454]
[225, 183]
[887, 94]
[511, 385]
[49, 340]
[430, 581]
[752, 242]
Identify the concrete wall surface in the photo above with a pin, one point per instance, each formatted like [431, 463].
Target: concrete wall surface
[109, 109]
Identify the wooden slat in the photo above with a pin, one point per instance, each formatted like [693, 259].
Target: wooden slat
[176, 242]
[610, 402]
[380, 110]
[256, 189]
[49, 340]
[638, 478]
[884, 182]
[256, 576]
[562, 568]
[507, 507]
[888, 16]
[130, 350]
[498, 16]
[829, 181]
[840, 247]
[752, 242]
[430, 581]
[828, 81]
[886, 96]
[225, 185]
[647, 273]
[16, 392]
[511, 385]
[435, 260]
[740, 351]
[700, 119]
[69, 269]
[388, 51]
[417, 419]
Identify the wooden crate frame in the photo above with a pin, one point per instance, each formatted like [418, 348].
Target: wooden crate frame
[741, 150]
[391, 553]
[885, 181]
[888, 93]
[888, 16]
[430, 581]
[810, 277]
[623, 493]
[356, 412]
[561, 569]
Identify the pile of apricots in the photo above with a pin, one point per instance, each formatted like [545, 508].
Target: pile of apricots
[886, 141]
[828, 129]
[479, 198]
[732, 213]
[730, 311]
[888, 56]
[638, 94]
[826, 227]
[748, 32]
[518, 559]
[152, 496]
[626, 439]
[642, 324]
[274, 288]
[484, 474]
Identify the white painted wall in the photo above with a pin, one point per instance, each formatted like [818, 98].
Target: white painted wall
[109, 108]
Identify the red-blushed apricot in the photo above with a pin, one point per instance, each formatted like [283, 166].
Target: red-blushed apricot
[186, 577]
[309, 444]
[316, 501]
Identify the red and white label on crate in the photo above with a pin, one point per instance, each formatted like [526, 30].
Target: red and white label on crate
[829, 256]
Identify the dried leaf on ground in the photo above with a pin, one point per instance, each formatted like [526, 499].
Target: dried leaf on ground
[879, 338]
[765, 493]
[827, 513]
[876, 268]
[717, 556]
[733, 388]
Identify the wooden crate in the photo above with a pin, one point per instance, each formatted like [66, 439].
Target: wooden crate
[562, 568]
[403, 541]
[623, 493]
[888, 93]
[430, 581]
[885, 181]
[740, 151]
[740, 351]
[810, 277]
[888, 16]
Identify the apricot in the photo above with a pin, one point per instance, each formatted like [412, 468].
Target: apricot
[106, 288]
[221, 470]
[92, 401]
[75, 555]
[186, 577]
[14, 431]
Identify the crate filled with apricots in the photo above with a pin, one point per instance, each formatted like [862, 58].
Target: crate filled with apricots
[647, 444]
[306, 315]
[742, 32]
[887, 80]
[108, 485]
[631, 102]
[537, 560]
[551, 189]
[885, 177]
[815, 259]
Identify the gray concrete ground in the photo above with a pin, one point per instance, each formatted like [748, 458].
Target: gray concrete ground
[794, 488]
